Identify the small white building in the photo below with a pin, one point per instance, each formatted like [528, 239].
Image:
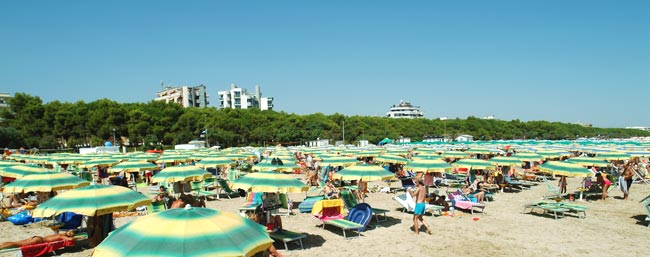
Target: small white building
[403, 140]
[239, 98]
[363, 143]
[185, 96]
[318, 143]
[465, 138]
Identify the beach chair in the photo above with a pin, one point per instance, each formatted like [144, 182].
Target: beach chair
[209, 183]
[350, 201]
[224, 188]
[46, 248]
[286, 208]
[332, 212]
[157, 207]
[252, 203]
[67, 221]
[408, 204]
[555, 191]
[556, 210]
[287, 236]
[307, 205]
[462, 201]
[198, 190]
[646, 205]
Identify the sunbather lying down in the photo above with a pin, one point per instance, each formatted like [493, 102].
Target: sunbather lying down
[68, 235]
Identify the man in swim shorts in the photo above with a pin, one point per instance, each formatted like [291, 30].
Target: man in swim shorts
[419, 196]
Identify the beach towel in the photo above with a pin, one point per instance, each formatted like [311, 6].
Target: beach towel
[44, 248]
[622, 184]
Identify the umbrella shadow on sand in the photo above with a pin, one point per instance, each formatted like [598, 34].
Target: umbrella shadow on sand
[640, 219]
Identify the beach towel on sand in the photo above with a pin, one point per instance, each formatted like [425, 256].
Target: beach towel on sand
[622, 184]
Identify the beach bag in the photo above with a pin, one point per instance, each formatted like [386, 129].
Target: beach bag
[21, 218]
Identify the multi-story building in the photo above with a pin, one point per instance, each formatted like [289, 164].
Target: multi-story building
[186, 96]
[404, 110]
[239, 98]
[4, 100]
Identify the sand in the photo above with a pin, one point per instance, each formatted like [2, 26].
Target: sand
[612, 227]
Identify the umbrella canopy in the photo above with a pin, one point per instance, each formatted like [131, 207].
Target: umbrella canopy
[188, 232]
[611, 156]
[454, 154]
[339, 161]
[92, 200]
[588, 161]
[506, 161]
[99, 162]
[428, 165]
[270, 182]
[268, 166]
[565, 169]
[366, 172]
[45, 182]
[473, 164]
[180, 173]
[133, 166]
[19, 171]
[387, 158]
[528, 157]
[214, 162]
[173, 158]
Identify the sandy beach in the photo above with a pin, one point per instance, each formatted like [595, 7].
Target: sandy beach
[611, 227]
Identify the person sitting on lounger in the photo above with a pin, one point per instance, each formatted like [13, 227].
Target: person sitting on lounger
[474, 190]
[330, 190]
[68, 235]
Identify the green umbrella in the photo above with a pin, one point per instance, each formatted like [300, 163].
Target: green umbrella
[268, 166]
[428, 165]
[528, 157]
[132, 166]
[454, 154]
[214, 162]
[188, 232]
[19, 171]
[104, 162]
[180, 173]
[270, 182]
[92, 200]
[611, 156]
[386, 158]
[475, 164]
[173, 158]
[565, 169]
[45, 182]
[338, 161]
[588, 161]
[425, 155]
[506, 161]
[474, 150]
[366, 172]
[144, 157]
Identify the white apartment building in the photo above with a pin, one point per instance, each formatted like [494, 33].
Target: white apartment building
[186, 96]
[4, 100]
[239, 98]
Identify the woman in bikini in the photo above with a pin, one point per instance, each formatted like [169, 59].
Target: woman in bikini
[68, 235]
[602, 180]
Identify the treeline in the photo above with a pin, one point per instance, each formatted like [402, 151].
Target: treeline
[31, 123]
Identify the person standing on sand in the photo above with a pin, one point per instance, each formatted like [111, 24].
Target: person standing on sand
[628, 174]
[420, 206]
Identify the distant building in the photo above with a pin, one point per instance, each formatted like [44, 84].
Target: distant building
[186, 96]
[489, 117]
[465, 138]
[4, 100]
[404, 110]
[639, 128]
[239, 98]
[433, 139]
[588, 125]
[318, 143]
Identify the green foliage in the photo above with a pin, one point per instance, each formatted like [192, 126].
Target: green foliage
[30, 123]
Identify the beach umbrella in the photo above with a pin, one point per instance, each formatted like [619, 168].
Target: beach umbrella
[45, 182]
[270, 182]
[180, 173]
[426, 155]
[132, 166]
[269, 166]
[366, 172]
[214, 162]
[104, 162]
[173, 158]
[550, 154]
[475, 164]
[476, 150]
[92, 200]
[613, 156]
[19, 171]
[144, 157]
[506, 161]
[588, 161]
[387, 158]
[338, 161]
[428, 165]
[565, 169]
[528, 157]
[454, 154]
[186, 232]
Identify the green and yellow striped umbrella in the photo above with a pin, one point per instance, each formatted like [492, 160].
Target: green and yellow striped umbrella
[477, 150]
[475, 164]
[506, 161]
[186, 232]
[214, 162]
[528, 157]
[132, 166]
[338, 161]
[428, 165]
[19, 171]
[180, 173]
[565, 169]
[588, 161]
[613, 156]
[92, 200]
[366, 172]
[173, 158]
[104, 162]
[268, 166]
[454, 154]
[387, 158]
[45, 182]
[270, 182]
[144, 157]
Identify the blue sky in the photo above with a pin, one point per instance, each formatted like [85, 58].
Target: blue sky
[554, 60]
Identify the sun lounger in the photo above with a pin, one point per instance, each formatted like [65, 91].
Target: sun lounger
[287, 236]
[461, 201]
[408, 204]
[253, 202]
[351, 201]
[224, 188]
[43, 248]
[556, 210]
